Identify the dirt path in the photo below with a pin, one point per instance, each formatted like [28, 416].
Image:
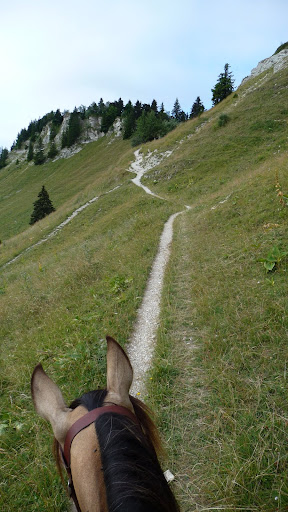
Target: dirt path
[141, 345]
[143, 164]
[59, 227]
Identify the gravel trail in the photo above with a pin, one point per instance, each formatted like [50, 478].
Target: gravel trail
[141, 345]
[59, 227]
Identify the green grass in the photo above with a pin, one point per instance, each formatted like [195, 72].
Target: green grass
[57, 304]
[222, 355]
[219, 379]
[97, 168]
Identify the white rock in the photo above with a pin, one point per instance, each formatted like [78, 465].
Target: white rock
[278, 61]
[169, 476]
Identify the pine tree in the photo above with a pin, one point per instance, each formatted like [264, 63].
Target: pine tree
[108, 118]
[58, 118]
[154, 106]
[30, 154]
[129, 121]
[197, 108]
[224, 86]
[52, 150]
[93, 110]
[101, 107]
[64, 139]
[74, 128]
[3, 157]
[119, 107]
[177, 112]
[42, 207]
[39, 157]
[138, 109]
[162, 114]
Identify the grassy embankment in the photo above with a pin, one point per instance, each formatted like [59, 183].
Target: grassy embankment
[222, 344]
[99, 167]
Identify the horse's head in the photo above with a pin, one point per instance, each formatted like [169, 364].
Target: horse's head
[122, 445]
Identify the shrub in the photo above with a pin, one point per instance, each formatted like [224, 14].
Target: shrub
[223, 120]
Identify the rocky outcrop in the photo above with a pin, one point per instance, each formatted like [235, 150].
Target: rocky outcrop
[90, 132]
[277, 62]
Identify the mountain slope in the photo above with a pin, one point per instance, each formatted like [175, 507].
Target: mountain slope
[218, 383]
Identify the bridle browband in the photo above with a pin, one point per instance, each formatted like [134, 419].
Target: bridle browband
[81, 424]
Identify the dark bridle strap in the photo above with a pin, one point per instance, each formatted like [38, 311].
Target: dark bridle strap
[89, 418]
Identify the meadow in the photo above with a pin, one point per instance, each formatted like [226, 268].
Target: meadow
[218, 384]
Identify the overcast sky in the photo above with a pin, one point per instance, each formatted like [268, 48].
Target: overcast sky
[64, 53]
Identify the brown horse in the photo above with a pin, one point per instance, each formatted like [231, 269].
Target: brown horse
[107, 442]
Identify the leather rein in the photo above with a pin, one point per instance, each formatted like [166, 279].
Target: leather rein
[81, 424]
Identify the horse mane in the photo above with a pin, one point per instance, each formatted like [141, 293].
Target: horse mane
[133, 477]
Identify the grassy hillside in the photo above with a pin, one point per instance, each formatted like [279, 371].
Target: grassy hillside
[97, 168]
[218, 384]
[222, 345]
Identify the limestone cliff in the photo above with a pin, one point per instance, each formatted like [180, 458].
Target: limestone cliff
[276, 61]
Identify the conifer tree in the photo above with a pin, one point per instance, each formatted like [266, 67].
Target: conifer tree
[30, 154]
[64, 139]
[42, 207]
[108, 118]
[101, 107]
[129, 121]
[224, 86]
[74, 128]
[58, 118]
[178, 113]
[119, 107]
[138, 109]
[176, 110]
[39, 157]
[197, 108]
[154, 106]
[3, 157]
[52, 150]
[92, 110]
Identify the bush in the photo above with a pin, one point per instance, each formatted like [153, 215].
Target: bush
[223, 120]
[150, 127]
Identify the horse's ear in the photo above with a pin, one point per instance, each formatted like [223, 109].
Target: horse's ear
[119, 375]
[49, 402]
